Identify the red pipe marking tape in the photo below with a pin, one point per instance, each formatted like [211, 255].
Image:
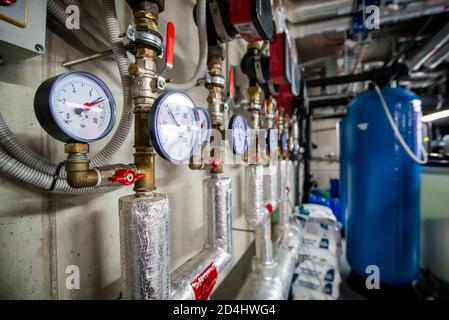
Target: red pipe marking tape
[205, 282]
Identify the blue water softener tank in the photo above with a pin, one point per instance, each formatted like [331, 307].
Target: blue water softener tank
[382, 185]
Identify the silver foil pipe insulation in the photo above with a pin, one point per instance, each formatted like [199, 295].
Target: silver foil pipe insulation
[275, 261]
[196, 278]
[145, 250]
[270, 186]
[255, 211]
[264, 246]
[144, 247]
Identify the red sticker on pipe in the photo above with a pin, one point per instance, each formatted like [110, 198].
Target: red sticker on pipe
[205, 282]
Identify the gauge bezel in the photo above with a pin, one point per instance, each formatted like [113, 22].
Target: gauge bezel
[283, 142]
[153, 125]
[45, 113]
[231, 127]
[209, 125]
[272, 144]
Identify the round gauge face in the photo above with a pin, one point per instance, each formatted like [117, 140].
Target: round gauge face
[173, 126]
[82, 108]
[239, 134]
[204, 125]
[284, 142]
[272, 140]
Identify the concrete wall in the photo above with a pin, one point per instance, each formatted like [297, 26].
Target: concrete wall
[41, 234]
[325, 137]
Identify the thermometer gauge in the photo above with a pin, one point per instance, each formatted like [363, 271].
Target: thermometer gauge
[75, 107]
[204, 125]
[272, 140]
[239, 134]
[173, 126]
[284, 142]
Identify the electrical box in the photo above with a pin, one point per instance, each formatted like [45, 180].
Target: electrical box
[22, 29]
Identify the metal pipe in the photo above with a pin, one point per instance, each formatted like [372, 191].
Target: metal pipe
[96, 56]
[307, 122]
[429, 49]
[388, 16]
[438, 58]
[217, 250]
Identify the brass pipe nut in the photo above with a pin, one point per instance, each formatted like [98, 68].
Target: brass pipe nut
[76, 148]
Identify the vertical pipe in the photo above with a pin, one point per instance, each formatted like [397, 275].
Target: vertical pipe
[307, 157]
[145, 254]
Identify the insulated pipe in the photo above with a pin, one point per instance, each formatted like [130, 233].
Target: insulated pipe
[284, 216]
[196, 278]
[144, 247]
[202, 59]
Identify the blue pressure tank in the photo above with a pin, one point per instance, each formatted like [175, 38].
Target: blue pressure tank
[382, 185]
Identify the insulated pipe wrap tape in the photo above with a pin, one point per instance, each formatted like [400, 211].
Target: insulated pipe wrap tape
[144, 247]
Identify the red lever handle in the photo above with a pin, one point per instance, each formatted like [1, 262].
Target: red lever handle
[231, 82]
[126, 177]
[170, 45]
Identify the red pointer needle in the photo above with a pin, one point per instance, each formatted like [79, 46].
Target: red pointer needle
[89, 105]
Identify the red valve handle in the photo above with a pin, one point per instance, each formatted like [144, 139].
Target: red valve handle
[126, 177]
[231, 82]
[7, 2]
[170, 45]
[215, 163]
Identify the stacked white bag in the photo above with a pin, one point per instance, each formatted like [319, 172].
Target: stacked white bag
[317, 276]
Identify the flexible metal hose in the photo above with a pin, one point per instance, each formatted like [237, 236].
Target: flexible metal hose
[126, 120]
[90, 23]
[25, 154]
[202, 59]
[56, 9]
[18, 170]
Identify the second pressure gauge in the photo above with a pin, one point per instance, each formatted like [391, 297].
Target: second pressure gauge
[75, 107]
[173, 126]
[239, 134]
[204, 125]
[284, 142]
[272, 140]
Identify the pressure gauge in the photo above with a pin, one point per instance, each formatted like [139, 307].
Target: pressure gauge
[173, 126]
[239, 134]
[272, 140]
[75, 107]
[284, 142]
[204, 125]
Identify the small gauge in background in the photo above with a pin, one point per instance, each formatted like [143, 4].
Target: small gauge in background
[204, 126]
[239, 134]
[75, 107]
[173, 126]
[272, 140]
[283, 142]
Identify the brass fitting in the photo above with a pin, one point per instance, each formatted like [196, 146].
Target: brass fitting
[146, 19]
[253, 45]
[255, 95]
[215, 104]
[144, 94]
[77, 167]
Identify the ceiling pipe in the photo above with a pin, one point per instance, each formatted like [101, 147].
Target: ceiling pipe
[388, 16]
[438, 58]
[312, 10]
[429, 49]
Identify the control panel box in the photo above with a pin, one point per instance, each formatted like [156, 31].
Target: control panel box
[22, 29]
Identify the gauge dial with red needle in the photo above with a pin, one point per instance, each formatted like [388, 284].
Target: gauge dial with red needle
[204, 125]
[75, 107]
